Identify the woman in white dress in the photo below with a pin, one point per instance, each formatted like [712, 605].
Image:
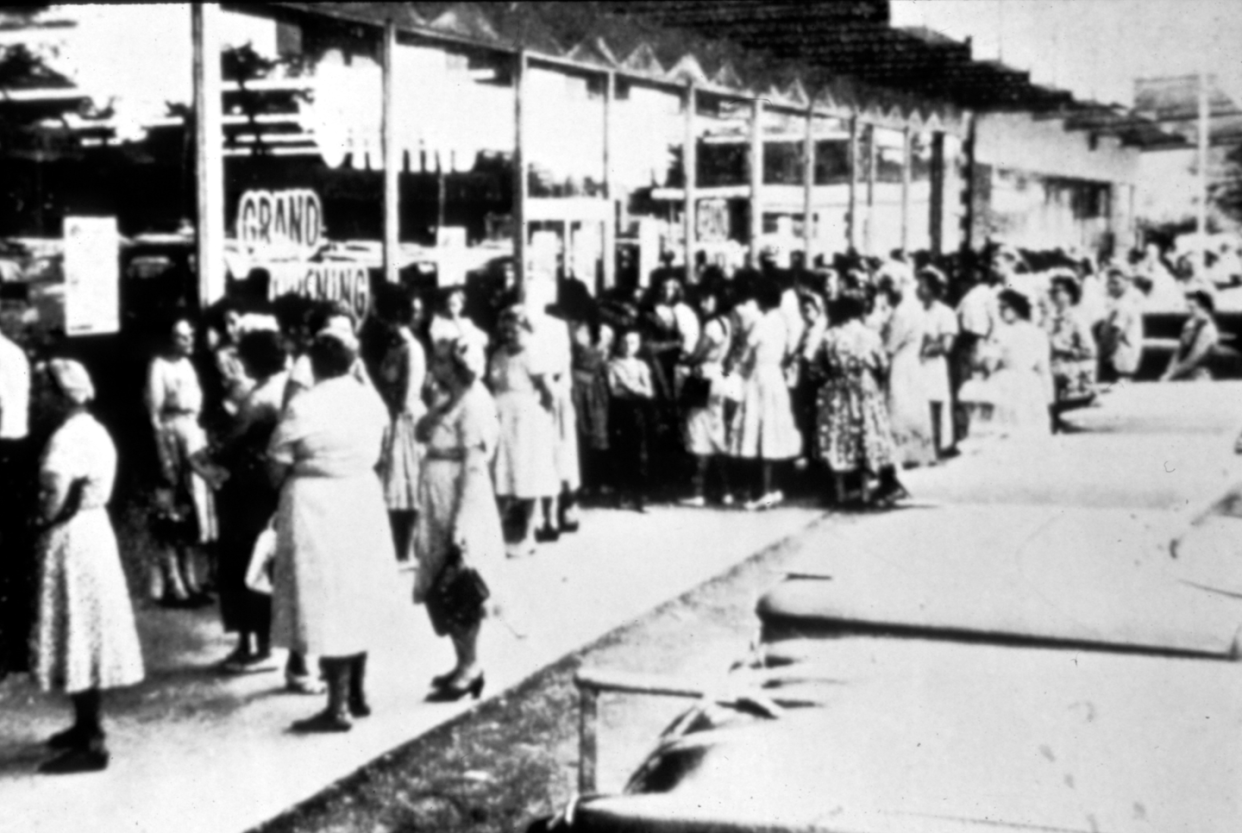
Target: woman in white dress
[939, 337]
[84, 639]
[908, 408]
[458, 525]
[1019, 389]
[184, 513]
[524, 469]
[334, 567]
[762, 428]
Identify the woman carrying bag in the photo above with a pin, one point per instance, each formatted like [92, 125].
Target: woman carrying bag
[458, 533]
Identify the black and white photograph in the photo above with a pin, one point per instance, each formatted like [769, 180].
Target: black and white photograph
[698, 416]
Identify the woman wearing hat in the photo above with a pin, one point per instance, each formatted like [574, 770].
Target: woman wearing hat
[1191, 359]
[84, 639]
[334, 551]
[458, 525]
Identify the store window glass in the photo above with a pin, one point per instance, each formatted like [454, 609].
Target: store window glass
[955, 168]
[648, 167]
[831, 193]
[784, 173]
[921, 170]
[884, 221]
[303, 157]
[456, 134]
[563, 145]
[722, 129]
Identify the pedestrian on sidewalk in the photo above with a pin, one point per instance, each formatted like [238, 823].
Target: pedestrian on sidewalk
[763, 429]
[334, 567]
[854, 432]
[703, 397]
[524, 469]
[400, 382]
[458, 538]
[85, 640]
[590, 395]
[629, 418]
[237, 467]
[184, 514]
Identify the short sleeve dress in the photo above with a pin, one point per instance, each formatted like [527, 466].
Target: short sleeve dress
[471, 423]
[525, 465]
[84, 637]
[334, 567]
[400, 383]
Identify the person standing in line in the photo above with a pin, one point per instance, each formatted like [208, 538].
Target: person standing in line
[977, 316]
[939, 334]
[1120, 335]
[1019, 386]
[1074, 359]
[631, 392]
[590, 393]
[452, 323]
[524, 468]
[17, 472]
[909, 408]
[459, 527]
[853, 425]
[704, 427]
[1192, 359]
[555, 351]
[334, 553]
[184, 517]
[402, 374]
[763, 428]
[85, 641]
[237, 468]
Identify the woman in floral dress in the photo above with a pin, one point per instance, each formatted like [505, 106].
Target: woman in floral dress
[853, 425]
[84, 639]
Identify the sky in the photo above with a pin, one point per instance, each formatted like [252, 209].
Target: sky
[1094, 48]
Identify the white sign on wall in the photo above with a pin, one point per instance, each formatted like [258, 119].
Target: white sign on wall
[92, 276]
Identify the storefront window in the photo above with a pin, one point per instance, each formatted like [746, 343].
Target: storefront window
[784, 172]
[919, 220]
[831, 193]
[723, 139]
[648, 170]
[455, 130]
[884, 222]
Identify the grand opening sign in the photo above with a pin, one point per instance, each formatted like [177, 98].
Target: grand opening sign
[280, 231]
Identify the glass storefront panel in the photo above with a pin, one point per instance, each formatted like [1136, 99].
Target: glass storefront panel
[831, 194]
[722, 209]
[563, 145]
[648, 168]
[883, 230]
[919, 220]
[784, 194]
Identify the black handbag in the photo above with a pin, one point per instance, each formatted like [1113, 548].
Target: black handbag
[455, 603]
[695, 392]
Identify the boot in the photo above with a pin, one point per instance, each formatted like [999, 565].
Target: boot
[335, 718]
[358, 705]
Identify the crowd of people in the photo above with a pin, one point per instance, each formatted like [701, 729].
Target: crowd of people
[305, 457]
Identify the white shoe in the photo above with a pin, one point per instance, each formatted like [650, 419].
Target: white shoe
[727, 500]
[697, 502]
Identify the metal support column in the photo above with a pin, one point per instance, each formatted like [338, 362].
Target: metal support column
[851, 226]
[609, 276]
[690, 163]
[936, 208]
[808, 191]
[520, 184]
[756, 179]
[906, 158]
[208, 152]
[392, 158]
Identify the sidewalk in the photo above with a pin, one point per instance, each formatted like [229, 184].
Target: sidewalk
[196, 751]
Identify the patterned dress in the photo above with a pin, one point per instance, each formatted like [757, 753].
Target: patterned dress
[84, 637]
[1073, 355]
[854, 431]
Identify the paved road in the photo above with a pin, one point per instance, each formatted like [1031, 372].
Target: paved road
[194, 751]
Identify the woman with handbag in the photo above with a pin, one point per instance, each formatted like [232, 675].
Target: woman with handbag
[84, 639]
[246, 501]
[703, 398]
[458, 532]
[334, 563]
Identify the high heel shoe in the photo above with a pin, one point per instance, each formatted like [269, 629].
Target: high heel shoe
[451, 694]
[441, 680]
